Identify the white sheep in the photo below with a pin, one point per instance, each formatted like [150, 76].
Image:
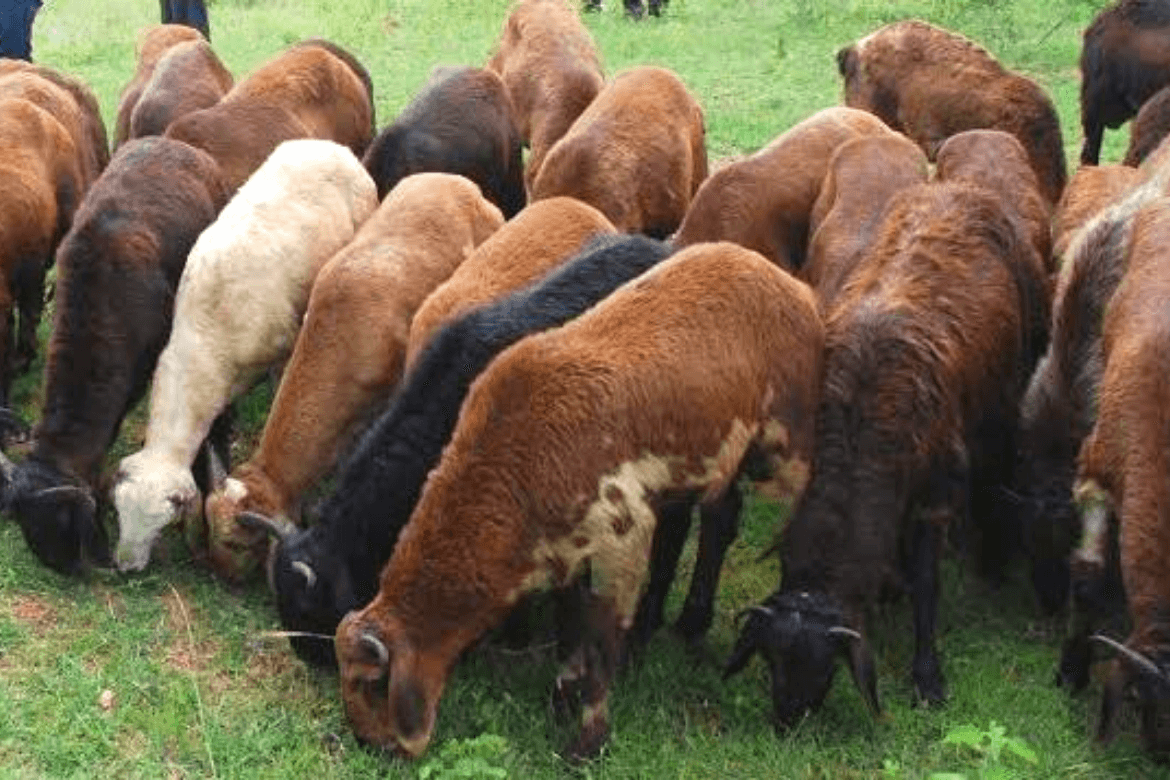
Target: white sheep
[239, 307]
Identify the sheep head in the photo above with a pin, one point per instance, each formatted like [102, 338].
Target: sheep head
[800, 635]
[1145, 676]
[150, 493]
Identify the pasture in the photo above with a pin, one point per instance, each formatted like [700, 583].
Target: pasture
[169, 673]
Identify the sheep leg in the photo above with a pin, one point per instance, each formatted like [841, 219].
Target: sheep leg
[718, 529]
[30, 299]
[1094, 133]
[600, 651]
[925, 669]
[670, 534]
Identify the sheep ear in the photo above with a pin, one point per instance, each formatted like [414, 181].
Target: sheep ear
[861, 666]
[1111, 699]
[745, 647]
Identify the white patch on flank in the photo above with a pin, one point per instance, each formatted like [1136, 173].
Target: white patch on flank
[234, 489]
[1093, 503]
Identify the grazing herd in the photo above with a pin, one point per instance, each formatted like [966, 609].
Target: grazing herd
[528, 371]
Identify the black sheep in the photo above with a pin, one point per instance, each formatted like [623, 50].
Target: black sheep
[192, 13]
[16, 23]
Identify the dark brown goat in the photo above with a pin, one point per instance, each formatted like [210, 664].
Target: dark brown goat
[931, 83]
[863, 176]
[1090, 190]
[177, 73]
[117, 272]
[550, 66]
[349, 353]
[1125, 59]
[1123, 474]
[542, 236]
[313, 89]
[41, 184]
[763, 201]
[927, 350]
[637, 153]
[664, 387]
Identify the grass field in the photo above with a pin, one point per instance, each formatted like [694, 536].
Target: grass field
[172, 674]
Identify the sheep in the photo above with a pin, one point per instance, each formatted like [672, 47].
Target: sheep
[539, 238]
[1122, 477]
[460, 122]
[40, 186]
[1148, 128]
[187, 12]
[1125, 59]
[237, 311]
[637, 153]
[313, 89]
[117, 271]
[931, 83]
[1089, 191]
[763, 201]
[863, 175]
[663, 389]
[551, 68]
[926, 352]
[16, 29]
[324, 572]
[349, 353]
[177, 73]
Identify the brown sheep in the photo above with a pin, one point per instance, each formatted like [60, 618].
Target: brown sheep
[664, 388]
[313, 89]
[1148, 128]
[1090, 190]
[931, 83]
[349, 353]
[40, 188]
[541, 237]
[1123, 475]
[70, 102]
[637, 153]
[183, 77]
[763, 202]
[550, 66]
[863, 176]
[153, 42]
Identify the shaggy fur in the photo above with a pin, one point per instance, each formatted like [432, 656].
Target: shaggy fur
[927, 350]
[550, 66]
[237, 312]
[460, 122]
[380, 484]
[117, 271]
[1149, 127]
[931, 83]
[664, 387]
[763, 202]
[637, 153]
[177, 73]
[1125, 59]
[1123, 472]
[40, 187]
[70, 102]
[349, 353]
[538, 239]
[863, 176]
[313, 89]
[1090, 190]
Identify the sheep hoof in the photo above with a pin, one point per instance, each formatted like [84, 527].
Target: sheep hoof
[929, 688]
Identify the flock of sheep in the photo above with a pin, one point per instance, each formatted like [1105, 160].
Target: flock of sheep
[529, 374]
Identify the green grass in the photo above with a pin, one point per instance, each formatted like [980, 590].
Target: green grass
[199, 688]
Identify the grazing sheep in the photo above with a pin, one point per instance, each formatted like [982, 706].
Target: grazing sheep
[237, 312]
[1148, 128]
[1090, 190]
[551, 68]
[40, 186]
[177, 73]
[763, 201]
[927, 350]
[637, 153]
[117, 271]
[664, 388]
[313, 89]
[349, 354]
[931, 83]
[535, 241]
[460, 122]
[863, 176]
[1123, 477]
[1125, 58]
[324, 572]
